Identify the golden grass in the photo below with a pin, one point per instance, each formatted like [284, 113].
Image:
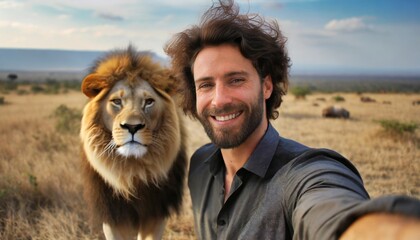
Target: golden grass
[40, 185]
[388, 164]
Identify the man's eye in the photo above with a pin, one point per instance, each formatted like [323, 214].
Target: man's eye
[204, 86]
[237, 80]
[117, 101]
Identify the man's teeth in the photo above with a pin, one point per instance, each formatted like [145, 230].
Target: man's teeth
[227, 117]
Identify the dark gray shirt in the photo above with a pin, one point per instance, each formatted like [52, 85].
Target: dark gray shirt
[284, 191]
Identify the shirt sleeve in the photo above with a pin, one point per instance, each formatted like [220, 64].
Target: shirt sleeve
[325, 196]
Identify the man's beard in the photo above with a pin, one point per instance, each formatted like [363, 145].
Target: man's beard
[228, 138]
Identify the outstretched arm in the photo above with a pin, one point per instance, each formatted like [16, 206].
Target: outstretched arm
[328, 199]
[383, 226]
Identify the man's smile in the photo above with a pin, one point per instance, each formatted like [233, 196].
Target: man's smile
[224, 118]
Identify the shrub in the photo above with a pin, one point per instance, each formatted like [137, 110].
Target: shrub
[68, 119]
[52, 86]
[300, 92]
[10, 86]
[72, 85]
[37, 89]
[2, 192]
[339, 98]
[397, 127]
[32, 180]
[22, 92]
[2, 102]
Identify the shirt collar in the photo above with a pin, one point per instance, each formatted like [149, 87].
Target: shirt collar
[260, 158]
[215, 161]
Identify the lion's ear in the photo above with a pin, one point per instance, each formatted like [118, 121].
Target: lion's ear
[169, 84]
[93, 84]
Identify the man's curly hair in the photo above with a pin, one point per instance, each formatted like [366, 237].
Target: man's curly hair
[258, 40]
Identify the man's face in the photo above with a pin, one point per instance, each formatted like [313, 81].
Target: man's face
[230, 96]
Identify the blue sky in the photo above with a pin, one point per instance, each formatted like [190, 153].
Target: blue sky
[349, 36]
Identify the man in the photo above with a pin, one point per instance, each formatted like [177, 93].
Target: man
[250, 183]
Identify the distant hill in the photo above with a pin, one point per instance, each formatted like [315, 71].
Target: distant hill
[50, 60]
[33, 65]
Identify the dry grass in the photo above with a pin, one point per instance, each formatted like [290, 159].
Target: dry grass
[40, 185]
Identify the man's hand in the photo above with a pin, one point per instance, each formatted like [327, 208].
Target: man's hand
[383, 226]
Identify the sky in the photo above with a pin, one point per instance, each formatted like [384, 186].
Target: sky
[347, 36]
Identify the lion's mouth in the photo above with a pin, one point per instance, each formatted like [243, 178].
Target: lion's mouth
[132, 142]
[132, 148]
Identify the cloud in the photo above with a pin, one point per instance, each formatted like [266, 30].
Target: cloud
[8, 4]
[354, 24]
[110, 16]
[273, 5]
[19, 26]
[98, 31]
[64, 16]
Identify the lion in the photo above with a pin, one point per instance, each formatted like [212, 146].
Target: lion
[134, 157]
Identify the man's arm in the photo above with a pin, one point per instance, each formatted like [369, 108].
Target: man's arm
[326, 198]
[383, 226]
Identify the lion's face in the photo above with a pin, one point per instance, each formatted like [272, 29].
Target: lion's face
[132, 112]
[131, 130]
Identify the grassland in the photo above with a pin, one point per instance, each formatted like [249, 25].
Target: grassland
[41, 189]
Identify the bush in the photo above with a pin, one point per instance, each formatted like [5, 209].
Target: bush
[22, 92]
[8, 86]
[339, 98]
[37, 89]
[397, 127]
[68, 119]
[52, 86]
[300, 92]
[72, 85]
[2, 102]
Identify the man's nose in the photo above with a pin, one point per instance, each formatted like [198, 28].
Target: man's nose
[221, 95]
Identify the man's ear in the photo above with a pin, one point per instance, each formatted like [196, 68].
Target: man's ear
[93, 84]
[267, 87]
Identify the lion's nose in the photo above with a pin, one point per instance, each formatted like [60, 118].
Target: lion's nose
[132, 128]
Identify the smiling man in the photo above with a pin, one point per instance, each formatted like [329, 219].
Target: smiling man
[251, 183]
[230, 103]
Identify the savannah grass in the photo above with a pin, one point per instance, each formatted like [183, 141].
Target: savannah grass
[40, 182]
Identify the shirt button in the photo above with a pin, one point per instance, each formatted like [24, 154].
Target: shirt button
[221, 222]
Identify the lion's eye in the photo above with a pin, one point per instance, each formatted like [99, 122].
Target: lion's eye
[149, 102]
[117, 101]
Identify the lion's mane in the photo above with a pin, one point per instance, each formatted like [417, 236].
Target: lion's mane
[121, 189]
